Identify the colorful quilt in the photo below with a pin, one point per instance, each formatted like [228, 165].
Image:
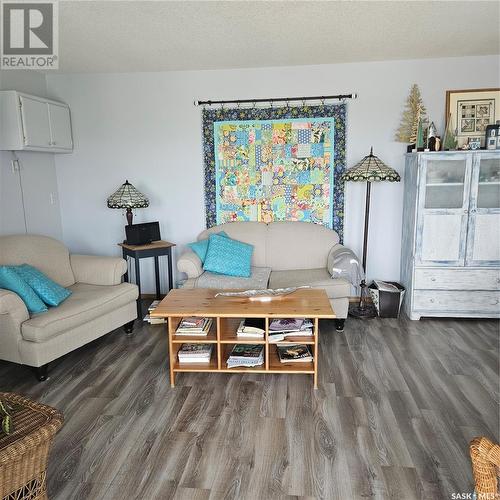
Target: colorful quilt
[274, 170]
[275, 163]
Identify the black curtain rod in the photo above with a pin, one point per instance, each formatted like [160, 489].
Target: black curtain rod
[279, 99]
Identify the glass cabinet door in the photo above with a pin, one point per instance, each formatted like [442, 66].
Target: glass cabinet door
[483, 240]
[443, 208]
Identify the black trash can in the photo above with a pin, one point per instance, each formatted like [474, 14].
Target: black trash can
[387, 297]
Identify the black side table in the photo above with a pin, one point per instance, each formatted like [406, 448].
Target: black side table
[155, 250]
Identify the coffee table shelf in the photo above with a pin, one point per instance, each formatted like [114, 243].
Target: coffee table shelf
[227, 313]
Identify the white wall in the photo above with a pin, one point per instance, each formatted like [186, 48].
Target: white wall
[36, 179]
[144, 127]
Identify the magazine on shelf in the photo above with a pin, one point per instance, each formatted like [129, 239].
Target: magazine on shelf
[196, 326]
[195, 353]
[280, 329]
[286, 324]
[251, 327]
[247, 351]
[279, 336]
[246, 355]
[193, 322]
[294, 353]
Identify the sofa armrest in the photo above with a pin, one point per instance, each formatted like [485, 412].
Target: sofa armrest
[190, 264]
[13, 313]
[96, 270]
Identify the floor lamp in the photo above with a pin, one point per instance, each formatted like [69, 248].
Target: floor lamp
[369, 169]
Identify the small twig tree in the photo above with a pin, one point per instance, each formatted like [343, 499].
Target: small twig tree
[413, 112]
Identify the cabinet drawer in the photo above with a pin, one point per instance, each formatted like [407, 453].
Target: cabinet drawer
[462, 302]
[457, 279]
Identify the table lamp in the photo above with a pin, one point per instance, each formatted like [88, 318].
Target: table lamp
[369, 169]
[127, 197]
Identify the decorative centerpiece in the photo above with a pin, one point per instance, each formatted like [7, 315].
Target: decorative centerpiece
[262, 294]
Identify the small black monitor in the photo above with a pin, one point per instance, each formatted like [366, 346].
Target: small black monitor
[142, 234]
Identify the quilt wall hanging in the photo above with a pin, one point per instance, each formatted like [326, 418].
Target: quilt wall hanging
[275, 164]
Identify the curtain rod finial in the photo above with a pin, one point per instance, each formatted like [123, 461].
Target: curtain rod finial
[196, 103]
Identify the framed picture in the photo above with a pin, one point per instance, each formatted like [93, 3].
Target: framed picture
[471, 111]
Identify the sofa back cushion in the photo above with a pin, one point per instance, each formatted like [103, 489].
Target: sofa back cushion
[282, 245]
[253, 233]
[48, 255]
[298, 245]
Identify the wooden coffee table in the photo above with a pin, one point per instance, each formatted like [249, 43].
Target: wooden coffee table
[228, 312]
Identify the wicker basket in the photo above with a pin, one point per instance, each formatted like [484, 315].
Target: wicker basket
[24, 453]
[485, 457]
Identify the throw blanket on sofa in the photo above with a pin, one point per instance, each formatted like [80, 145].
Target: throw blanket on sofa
[275, 164]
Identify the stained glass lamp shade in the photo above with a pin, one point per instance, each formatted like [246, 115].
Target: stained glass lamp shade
[369, 169]
[127, 197]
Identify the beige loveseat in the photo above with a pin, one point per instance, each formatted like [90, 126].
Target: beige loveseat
[285, 254]
[99, 302]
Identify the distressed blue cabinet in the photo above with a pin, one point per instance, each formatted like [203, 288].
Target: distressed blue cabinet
[450, 261]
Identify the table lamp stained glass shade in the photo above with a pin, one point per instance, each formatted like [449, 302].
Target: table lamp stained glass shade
[127, 197]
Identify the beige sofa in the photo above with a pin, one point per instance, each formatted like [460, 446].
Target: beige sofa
[99, 302]
[285, 254]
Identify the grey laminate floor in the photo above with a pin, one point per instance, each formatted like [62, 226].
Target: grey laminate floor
[397, 405]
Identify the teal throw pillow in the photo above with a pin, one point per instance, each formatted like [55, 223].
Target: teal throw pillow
[200, 247]
[10, 280]
[227, 256]
[49, 291]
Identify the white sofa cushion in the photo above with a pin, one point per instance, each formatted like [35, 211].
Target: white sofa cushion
[258, 280]
[317, 278]
[298, 245]
[46, 254]
[253, 233]
[86, 303]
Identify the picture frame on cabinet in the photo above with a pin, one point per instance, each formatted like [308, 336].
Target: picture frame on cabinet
[471, 111]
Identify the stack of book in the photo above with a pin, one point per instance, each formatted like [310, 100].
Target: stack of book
[294, 353]
[246, 355]
[149, 319]
[195, 353]
[194, 326]
[251, 328]
[279, 329]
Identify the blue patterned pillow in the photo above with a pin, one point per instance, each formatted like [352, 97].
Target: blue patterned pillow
[200, 247]
[10, 280]
[227, 256]
[49, 291]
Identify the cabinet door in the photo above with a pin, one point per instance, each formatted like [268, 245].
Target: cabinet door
[60, 126]
[483, 239]
[443, 207]
[35, 120]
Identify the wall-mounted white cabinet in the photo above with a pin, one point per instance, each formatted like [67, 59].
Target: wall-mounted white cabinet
[30, 123]
[450, 260]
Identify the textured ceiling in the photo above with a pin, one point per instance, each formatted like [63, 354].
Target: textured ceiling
[116, 36]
